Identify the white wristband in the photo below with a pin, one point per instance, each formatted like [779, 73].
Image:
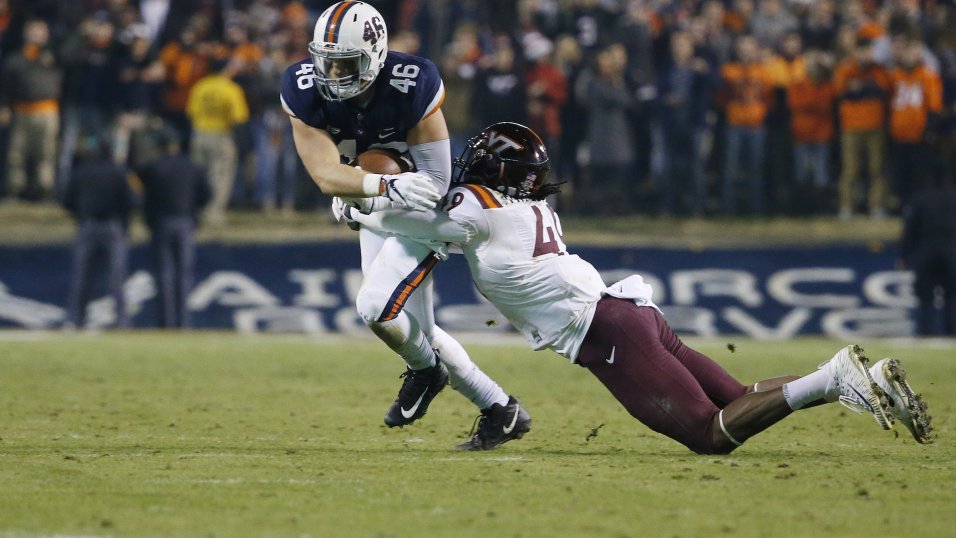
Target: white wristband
[372, 184]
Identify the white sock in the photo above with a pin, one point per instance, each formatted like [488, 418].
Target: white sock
[808, 388]
[417, 353]
[404, 337]
[465, 375]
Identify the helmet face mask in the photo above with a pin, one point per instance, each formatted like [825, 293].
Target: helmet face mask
[348, 49]
[509, 158]
[341, 74]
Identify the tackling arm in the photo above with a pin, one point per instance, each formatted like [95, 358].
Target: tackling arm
[429, 226]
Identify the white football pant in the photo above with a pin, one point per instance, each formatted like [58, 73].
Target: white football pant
[396, 300]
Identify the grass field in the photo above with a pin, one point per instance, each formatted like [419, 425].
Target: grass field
[214, 434]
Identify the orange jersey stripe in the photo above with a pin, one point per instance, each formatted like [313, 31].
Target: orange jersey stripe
[437, 107]
[485, 198]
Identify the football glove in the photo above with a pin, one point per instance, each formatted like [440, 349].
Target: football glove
[342, 211]
[411, 190]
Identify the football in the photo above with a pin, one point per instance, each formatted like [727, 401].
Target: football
[382, 161]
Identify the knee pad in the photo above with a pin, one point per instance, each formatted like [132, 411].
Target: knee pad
[370, 303]
[396, 333]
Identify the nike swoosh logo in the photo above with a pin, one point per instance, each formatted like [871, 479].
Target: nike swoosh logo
[610, 360]
[386, 134]
[507, 429]
[410, 412]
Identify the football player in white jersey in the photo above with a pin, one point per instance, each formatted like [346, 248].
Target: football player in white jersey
[353, 94]
[498, 218]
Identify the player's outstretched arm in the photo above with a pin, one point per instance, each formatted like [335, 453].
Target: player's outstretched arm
[433, 225]
[320, 156]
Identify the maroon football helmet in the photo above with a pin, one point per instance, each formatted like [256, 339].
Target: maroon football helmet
[509, 158]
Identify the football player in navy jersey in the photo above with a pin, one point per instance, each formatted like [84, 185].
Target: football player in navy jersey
[354, 94]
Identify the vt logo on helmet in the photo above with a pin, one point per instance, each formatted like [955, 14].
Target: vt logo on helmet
[509, 158]
[348, 49]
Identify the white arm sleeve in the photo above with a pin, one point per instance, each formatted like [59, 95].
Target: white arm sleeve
[427, 226]
[434, 160]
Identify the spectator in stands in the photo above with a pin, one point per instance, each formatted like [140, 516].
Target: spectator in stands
[185, 62]
[88, 58]
[547, 90]
[406, 41]
[245, 59]
[915, 105]
[862, 87]
[277, 162]
[946, 144]
[746, 92]
[811, 101]
[458, 66]
[155, 15]
[216, 105]
[928, 248]
[819, 28]
[139, 76]
[713, 39]
[585, 19]
[568, 58]
[99, 197]
[612, 185]
[488, 87]
[684, 90]
[772, 22]
[30, 87]
[786, 67]
[499, 93]
[6, 16]
[738, 18]
[174, 192]
[634, 32]
[866, 25]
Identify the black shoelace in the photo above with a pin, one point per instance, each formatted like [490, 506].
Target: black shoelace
[413, 381]
[481, 425]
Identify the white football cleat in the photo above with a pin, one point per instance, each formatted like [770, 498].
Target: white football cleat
[852, 385]
[908, 407]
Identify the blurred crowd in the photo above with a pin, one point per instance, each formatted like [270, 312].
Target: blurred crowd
[658, 107]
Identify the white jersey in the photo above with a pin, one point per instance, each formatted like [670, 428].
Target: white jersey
[520, 263]
[517, 259]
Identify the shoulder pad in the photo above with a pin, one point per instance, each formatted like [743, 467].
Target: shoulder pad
[298, 94]
[487, 198]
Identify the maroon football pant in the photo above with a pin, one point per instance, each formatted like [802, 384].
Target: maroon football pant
[668, 386]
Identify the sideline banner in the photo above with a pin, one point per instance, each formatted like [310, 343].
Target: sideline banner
[772, 293]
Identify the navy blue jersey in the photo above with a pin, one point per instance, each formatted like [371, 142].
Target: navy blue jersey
[407, 89]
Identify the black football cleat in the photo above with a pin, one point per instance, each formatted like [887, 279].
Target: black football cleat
[497, 425]
[418, 390]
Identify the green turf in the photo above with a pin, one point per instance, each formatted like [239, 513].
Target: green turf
[223, 435]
